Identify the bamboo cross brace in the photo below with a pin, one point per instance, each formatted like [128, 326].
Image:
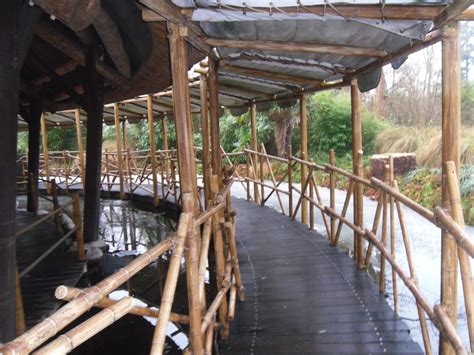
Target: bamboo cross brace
[384, 236]
[392, 237]
[320, 201]
[269, 165]
[344, 211]
[375, 226]
[302, 194]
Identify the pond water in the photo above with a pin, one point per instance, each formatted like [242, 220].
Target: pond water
[127, 229]
[426, 245]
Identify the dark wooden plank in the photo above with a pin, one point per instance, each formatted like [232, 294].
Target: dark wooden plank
[304, 296]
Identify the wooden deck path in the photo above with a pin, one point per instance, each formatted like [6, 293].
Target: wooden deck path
[304, 296]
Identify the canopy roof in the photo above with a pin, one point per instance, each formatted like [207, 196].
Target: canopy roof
[268, 49]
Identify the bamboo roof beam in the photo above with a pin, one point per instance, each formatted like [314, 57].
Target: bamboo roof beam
[452, 12]
[389, 12]
[173, 14]
[225, 66]
[252, 93]
[297, 47]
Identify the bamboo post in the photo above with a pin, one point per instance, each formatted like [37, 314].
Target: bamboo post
[230, 229]
[168, 294]
[151, 131]
[119, 149]
[450, 151]
[464, 260]
[247, 176]
[45, 150]
[219, 256]
[206, 144]
[262, 181]
[304, 155]
[290, 180]
[54, 193]
[80, 146]
[129, 171]
[384, 233]
[311, 196]
[411, 266]
[254, 146]
[187, 171]
[76, 212]
[392, 236]
[332, 193]
[214, 120]
[19, 310]
[357, 169]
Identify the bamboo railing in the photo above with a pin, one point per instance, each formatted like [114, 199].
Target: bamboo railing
[260, 168]
[217, 220]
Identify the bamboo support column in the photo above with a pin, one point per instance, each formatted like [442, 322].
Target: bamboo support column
[164, 138]
[384, 233]
[392, 235]
[76, 212]
[151, 131]
[464, 259]
[290, 181]
[33, 154]
[357, 169]
[118, 146]
[206, 146]
[254, 147]
[20, 325]
[214, 120]
[451, 121]
[80, 146]
[187, 174]
[332, 194]
[304, 155]
[44, 141]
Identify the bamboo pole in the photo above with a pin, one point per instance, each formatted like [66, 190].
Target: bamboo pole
[332, 194]
[312, 186]
[303, 154]
[290, 181]
[445, 221]
[209, 340]
[33, 193]
[262, 186]
[187, 174]
[76, 211]
[80, 146]
[254, 145]
[151, 131]
[450, 151]
[168, 294]
[247, 175]
[214, 120]
[67, 293]
[50, 326]
[375, 226]
[119, 149]
[86, 330]
[343, 213]
[206, 144]
[45, 150]
[464, 260]
[20, 326]
[392, 236]
[357, 168]
[230, 229]
[384, 234]
[411, 266]
[203, 259]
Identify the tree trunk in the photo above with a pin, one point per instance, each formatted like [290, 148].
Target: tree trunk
[283, 129]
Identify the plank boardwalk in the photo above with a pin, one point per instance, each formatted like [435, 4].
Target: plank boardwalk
[304, 296]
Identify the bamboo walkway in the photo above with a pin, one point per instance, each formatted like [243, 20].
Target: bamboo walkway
[304, 296]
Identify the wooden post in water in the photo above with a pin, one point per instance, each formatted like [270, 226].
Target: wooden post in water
[80, 146]
[118, 147]
[214, 120]
[33, 118]
[304, 155]
[187, 173]
[357, 169]
[93, 92]
[254, 145]
[451, 122]
[45, 151]
[206, 146]
[151, 129]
